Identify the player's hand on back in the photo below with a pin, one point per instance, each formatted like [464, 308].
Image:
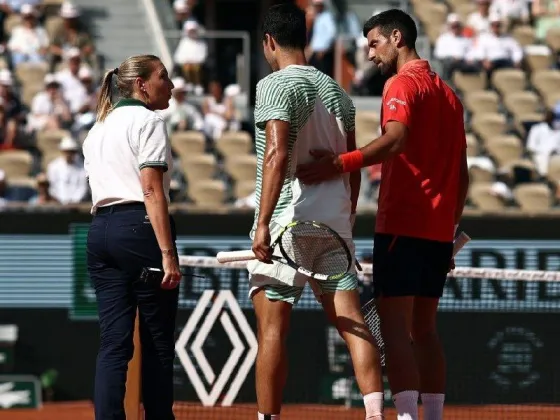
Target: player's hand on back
[261, 244]
[325, 166]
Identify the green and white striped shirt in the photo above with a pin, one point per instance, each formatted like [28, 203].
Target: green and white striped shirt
[320, 114]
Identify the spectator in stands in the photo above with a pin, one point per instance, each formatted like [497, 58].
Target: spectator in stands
[43, 195]
[181, 115]
[183, 13]
[13, 106]
[191, 53]
[29, 41]
[547, 15]
[85, 117]
[8, 128]
[218, 111]
[495, 50]
[452, 48]
[73, 90]
[16, 6]
[66, 174]
[321, 46]
[9, 193]
[512, 12]
[479, 21]
[72, 35]
[49, 110]
[543, 141]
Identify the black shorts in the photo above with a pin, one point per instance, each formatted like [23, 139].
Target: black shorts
[406, 266]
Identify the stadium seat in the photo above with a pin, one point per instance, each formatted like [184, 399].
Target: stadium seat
[49, 140]
[552, 100]
[524, 34]
[208, 193]
[473, 148]
[554, 169]
[53, 24]
[483, 197]
[488, 125]
[533, 197]
[505, 149]
[367, 127]
[465, 9]
[244, 189]
[16, 163]
[233, 143]
[469, 82]
[483, 101]
[48, 158]
[242, 167]
[522, 118]
[11, 22]
[454, 4]
[509, 80]
[199, 167]
[552, 39]
[23, 182]
[519, 103]
[431, 14]
[546, 81]
[537, 62]
[32, 73]
[188, 143]
[480, 175]
[527, 166]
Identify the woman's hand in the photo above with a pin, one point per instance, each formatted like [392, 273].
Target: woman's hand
[172, 271]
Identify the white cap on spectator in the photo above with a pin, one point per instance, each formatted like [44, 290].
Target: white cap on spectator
[27, 10]
[232, 90]
[69, 11]
[6, 78]
[494, 17]
[179, 84]
[72, 53]
[68, 144]
[180, 6]
[50, 79]
[453, 18]
[85, 73]
[190, 25]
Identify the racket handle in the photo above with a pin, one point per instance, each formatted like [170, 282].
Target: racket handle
[460, 242]
[232, 256]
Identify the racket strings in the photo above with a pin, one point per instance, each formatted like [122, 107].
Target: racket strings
[315, 248]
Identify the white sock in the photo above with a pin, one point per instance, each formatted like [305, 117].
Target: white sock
[406, 403]
[374, 406]
[269, 416]
[432, 404]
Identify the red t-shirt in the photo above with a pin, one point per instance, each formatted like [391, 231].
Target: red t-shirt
[419, 187]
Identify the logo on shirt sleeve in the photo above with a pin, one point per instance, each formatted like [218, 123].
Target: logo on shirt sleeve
[393, 102]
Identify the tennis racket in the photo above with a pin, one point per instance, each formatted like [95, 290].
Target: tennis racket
[311, 248]
[369, 310]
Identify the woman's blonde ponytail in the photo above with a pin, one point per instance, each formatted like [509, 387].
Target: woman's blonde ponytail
[104, 104]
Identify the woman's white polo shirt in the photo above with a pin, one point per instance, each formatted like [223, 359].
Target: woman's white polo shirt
[132, 137]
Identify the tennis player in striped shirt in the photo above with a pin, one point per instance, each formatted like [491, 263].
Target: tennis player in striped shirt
[298, 108]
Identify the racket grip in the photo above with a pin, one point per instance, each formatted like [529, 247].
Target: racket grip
[460, 242]
[232, 256]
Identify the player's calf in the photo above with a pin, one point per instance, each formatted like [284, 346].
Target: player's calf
[343, 310]
[273, 318]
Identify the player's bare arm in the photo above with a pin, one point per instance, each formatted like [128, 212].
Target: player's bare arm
[356, 176]
[329, 165]
[463, 186]
[275, 166]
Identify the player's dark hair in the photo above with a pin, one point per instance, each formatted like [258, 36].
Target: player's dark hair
[390, 20]
[286, 24]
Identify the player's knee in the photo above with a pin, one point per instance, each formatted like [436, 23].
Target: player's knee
[273, 334]
[422, 334]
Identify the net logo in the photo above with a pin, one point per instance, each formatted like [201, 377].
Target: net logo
[234, 367]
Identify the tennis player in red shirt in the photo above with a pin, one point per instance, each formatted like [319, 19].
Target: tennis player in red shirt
[423, 189]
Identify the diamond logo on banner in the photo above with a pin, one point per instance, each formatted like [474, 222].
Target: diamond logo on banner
[217, 384]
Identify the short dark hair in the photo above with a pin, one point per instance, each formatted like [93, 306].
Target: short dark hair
[390, 20]
[286, 24]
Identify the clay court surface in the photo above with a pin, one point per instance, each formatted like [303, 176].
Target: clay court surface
[84, 411]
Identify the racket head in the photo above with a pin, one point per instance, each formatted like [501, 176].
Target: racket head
[315, 249]
[371, 318]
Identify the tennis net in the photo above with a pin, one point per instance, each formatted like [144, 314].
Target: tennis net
[498, 327]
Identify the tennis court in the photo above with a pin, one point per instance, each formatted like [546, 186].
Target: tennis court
[84, 411]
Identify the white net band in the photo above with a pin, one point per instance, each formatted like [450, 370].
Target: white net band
[459, 272]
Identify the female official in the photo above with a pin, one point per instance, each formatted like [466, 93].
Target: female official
[128, 161]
